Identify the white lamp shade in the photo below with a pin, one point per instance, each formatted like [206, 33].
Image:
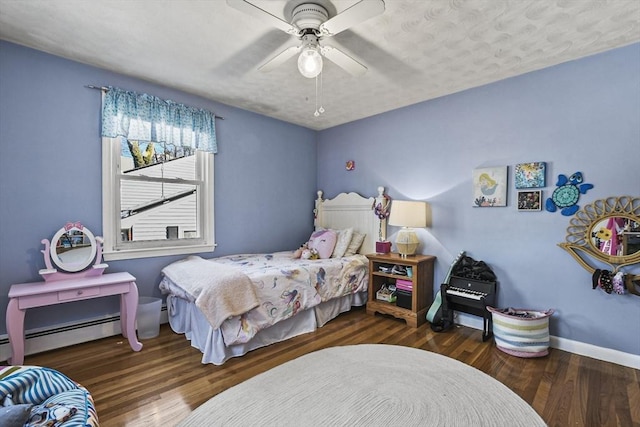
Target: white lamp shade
[310, 62]
[408, 214]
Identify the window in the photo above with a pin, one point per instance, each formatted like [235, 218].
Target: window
[157, 200]
[157, 176]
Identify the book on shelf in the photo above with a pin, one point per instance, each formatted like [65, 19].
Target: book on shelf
[405, 285]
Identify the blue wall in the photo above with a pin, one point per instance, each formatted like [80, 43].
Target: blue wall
[579, 116]
[50, 173]
[583, 115]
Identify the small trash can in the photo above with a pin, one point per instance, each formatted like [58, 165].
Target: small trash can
[148, 317]
[521, 332]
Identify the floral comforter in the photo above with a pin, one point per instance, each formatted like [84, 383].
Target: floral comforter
[286, 286]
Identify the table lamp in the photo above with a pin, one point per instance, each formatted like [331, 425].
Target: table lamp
[408, 215]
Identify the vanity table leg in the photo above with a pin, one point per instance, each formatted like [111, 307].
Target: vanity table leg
[123, 315]
[128, 310]
[15, 330]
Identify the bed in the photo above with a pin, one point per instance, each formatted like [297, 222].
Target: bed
[230, 305]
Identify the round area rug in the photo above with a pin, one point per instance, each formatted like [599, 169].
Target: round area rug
[368, 384]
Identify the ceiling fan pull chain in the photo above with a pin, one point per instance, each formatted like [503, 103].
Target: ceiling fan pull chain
[321, 110]
[317, 113]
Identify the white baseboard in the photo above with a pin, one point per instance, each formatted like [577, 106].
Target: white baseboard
[63, 335]
[577, 347]
[600, 353]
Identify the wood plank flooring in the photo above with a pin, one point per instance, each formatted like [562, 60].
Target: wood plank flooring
[164, 382]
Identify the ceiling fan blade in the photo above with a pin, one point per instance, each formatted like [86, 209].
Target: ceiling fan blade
[263, 15]
[359, 12]
[343, 60]
[279, 59]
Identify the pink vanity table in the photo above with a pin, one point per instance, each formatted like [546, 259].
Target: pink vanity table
[60, 287]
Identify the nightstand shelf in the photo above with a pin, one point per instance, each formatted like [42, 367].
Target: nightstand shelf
[422, 284]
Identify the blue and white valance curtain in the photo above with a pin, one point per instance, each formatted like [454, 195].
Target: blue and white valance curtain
[138, 116]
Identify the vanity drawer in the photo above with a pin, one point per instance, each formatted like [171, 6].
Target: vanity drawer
[78, 294]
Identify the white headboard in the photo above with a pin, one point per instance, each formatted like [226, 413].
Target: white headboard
[352, 210]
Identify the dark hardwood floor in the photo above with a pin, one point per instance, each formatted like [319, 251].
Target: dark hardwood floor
[161, 384]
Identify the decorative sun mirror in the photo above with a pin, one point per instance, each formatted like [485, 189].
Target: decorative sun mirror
[72, 250]
[607, 231]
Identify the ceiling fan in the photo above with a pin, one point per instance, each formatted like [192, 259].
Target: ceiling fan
[311, 24]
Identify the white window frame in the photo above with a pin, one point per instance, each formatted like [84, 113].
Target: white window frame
[114, 248]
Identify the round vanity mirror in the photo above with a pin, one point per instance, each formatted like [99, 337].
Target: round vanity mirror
[73, 248]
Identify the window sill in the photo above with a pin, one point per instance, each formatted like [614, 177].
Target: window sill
[148, 253]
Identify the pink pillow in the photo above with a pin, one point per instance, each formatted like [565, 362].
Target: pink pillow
[323, 241]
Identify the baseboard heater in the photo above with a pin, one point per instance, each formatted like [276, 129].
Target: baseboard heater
[37, 341]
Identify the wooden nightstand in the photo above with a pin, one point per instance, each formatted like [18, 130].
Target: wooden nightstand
[422, 284]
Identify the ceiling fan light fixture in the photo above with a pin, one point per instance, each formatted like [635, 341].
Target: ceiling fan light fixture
[310, 62]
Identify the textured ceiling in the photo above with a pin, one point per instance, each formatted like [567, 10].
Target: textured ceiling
[415, 51]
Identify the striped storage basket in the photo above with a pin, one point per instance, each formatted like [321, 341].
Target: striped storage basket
[521, 332]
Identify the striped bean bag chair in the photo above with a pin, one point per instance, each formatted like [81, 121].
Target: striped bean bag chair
[37, 396]
[521, 332]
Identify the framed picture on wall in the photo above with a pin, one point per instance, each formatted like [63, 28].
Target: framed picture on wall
[530, 175]
[490, 187]
[530, 200]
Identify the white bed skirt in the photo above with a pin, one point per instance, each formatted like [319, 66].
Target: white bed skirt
[185, 318]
